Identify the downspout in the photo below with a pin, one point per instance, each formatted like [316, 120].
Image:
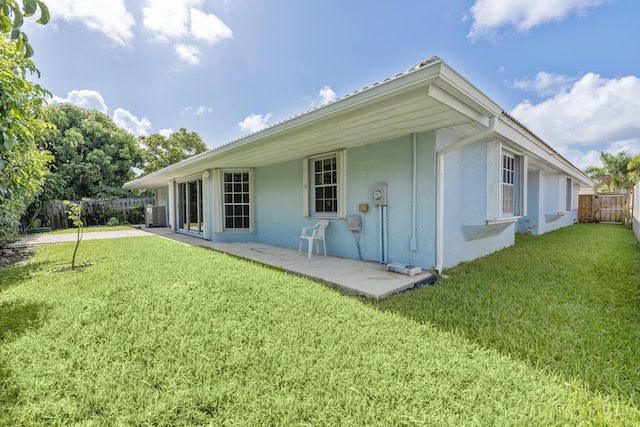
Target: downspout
[413, 244]
[440, 186]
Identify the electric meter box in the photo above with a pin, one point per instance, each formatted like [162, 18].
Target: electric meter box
[379, 194]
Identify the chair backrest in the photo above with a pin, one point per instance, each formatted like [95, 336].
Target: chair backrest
[322, 225]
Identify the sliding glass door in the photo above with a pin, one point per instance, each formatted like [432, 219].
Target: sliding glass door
[190, 215]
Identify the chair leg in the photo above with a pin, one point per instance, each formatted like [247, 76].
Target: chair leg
[310, 249]
[324, 244]
[300, 247]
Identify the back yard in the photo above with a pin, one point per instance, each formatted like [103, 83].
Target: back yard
[159, 333]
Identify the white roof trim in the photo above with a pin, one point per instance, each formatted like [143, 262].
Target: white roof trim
[429, 95]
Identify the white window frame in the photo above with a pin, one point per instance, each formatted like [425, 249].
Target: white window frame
[179, 203]
[568, 194]
[508, 182]
[309, 187]
[221, 203]
[494, 188]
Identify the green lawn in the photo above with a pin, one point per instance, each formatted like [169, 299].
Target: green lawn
[159, 333]
[567, 301]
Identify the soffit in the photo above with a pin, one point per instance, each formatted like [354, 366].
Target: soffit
[388, 118]
[429, 97]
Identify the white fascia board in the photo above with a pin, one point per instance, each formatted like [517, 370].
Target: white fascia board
[452, 102]
[457, 86]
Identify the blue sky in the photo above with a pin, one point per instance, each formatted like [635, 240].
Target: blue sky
[568, 69]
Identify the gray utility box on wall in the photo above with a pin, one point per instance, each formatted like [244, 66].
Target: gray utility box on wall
[156, 216]
[354, 223]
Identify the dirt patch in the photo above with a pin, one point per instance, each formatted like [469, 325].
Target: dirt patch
[64, 268]
[10, 256]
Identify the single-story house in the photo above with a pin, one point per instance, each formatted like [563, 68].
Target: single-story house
[422, 169]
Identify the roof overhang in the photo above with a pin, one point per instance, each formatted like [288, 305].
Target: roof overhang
[540, 155]
[428, 97]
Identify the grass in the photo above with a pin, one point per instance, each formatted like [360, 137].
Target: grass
[567, 302]
[159, 333]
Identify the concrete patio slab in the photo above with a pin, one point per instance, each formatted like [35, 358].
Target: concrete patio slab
[365, 278]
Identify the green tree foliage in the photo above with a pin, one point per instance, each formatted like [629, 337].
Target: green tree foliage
[616, 174]
[22, 163]
[12, 15]
[160, 151]
[92, 156]
[634, 168]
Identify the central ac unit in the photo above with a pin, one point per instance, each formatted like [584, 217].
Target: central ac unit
[156, 216]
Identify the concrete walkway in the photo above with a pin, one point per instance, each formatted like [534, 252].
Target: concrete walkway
[44, 239]
[365, 278]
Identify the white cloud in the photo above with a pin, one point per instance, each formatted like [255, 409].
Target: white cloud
[108, 17]
[490, 16]
[166, 19]
[208, 27]
[255, 122]
[89, 99]
[546, 84]
[165, 132]
[595, 114]
[327, 95]
[203, 109]
[183, 22]
[124, 119]
[188, 53]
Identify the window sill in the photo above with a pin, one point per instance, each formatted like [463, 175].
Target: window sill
[491, 229]
[324, 217]
[507, 220]
[552, 217]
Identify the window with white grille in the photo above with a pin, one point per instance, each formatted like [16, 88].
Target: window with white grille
[508, 184]
[324, 185]
[236, 200]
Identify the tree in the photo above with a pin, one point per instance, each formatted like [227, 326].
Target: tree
[160, 151]
[75, 215]
[93, 157]
[615, 175]
[22, 163]
[634, 168]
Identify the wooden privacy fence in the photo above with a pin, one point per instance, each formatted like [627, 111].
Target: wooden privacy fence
[101, 212]
[605, 208]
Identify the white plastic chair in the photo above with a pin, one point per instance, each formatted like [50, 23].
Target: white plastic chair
[313, 235]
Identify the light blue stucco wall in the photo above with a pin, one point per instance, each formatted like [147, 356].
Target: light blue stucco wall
[551, 204]
[467, 235]
[391, 163]
[533, 201]
[278, 203]
[545, 200]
